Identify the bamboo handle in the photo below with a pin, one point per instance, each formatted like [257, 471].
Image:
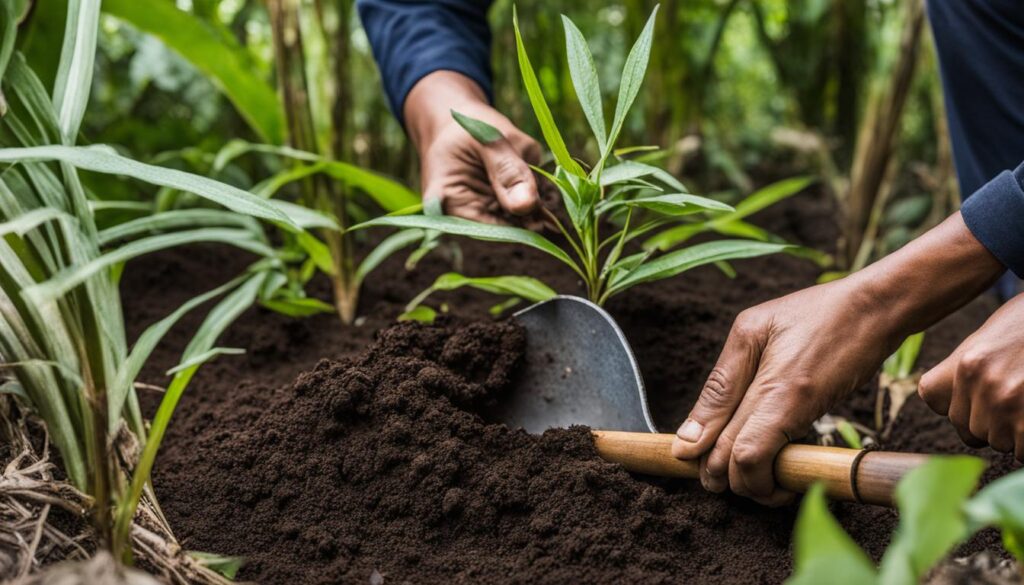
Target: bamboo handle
[848, 474]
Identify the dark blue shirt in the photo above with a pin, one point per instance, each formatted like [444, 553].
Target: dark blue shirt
[981, 53]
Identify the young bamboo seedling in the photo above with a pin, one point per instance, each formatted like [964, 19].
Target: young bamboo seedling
[617, 200]
[898, 381]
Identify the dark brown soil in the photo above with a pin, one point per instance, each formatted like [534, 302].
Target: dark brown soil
[323, 456]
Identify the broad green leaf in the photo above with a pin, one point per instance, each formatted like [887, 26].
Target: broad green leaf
[1000, 504]
[822, 551]
[74, 75]
[479, 231]
[103, 160]
[629, 85]
[540, 107]
[932, 519]
[481, 131]
[225, 63]
[680, 261]
[384, 250]
[298, 307]
[584, 79]
[73, 276]
[421, 314]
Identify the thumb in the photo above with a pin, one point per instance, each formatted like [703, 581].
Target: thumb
[722, 393]
[511, 178]
[936, 385]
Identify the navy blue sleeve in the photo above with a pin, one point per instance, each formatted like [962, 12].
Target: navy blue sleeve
[980, 44]
[411, 39]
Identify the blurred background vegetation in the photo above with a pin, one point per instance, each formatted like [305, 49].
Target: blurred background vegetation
[738, 92]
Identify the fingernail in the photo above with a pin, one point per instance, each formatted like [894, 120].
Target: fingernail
[520, 195]
[690, 431]
[713, 483]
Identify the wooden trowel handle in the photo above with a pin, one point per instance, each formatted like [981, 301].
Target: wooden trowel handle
[848, 474]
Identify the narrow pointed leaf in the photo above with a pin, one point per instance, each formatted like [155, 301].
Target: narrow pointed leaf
[585, 80]
[74, 76]
[481, 131]
[385, 250]
[479, 231]
[540, 107]
[632, 78]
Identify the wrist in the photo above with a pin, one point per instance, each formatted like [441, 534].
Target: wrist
[928, 278]
[428, 106]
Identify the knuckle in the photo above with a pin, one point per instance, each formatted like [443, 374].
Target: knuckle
[715, 394]
[746, 324]
[748, 455]
[972, 364]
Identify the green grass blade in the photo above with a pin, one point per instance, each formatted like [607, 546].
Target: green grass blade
[74, 76]
[8, 34]
[224, 62]
[73, 276]
[680, 261]
[822, 551]
[223, 315]
[178, 219]
[103, 160]
[672, 204]
[629, 85]
[585, 80]
[478, 231]
[384, 250]
[540, 107]
[145, 345]
[388, 193]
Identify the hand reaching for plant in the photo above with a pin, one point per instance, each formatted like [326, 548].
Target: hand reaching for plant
[980, 386]
[787, 361]
[473, 180]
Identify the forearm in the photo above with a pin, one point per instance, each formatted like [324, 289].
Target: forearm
[929, 278]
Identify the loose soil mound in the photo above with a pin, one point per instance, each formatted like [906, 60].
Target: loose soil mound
[374, 462]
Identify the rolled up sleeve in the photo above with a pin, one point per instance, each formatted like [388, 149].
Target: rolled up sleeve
[412, 39]
[995, 215]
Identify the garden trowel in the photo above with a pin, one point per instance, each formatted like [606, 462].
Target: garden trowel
[580, 370]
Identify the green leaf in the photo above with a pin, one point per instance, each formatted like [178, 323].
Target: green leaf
[479, 231]
[298, 306]
[932, 519]
[822, 551]
[103, 160]
[584, 80]
[317, 251]
[481, 131]
[202, 358]
[500, 309]
[849, 434]
[422, 314]
[227, 566]
[900, 364]
[8, 34]
[680, 261]
[177, 219]
[74, 75]
[755, 202]
[525, 287]
[385, 250]
[224, 62]
[673, 204]
[387, 192]
[1000, 504]
[630, 170]
[73, 276]
[540, 107]
[629, 85]
[307, 218]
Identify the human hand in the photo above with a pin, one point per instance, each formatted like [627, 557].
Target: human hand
[786, 362]
[474, 181]
[980, 386]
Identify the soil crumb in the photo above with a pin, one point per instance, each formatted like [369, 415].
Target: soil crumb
[379, 465]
